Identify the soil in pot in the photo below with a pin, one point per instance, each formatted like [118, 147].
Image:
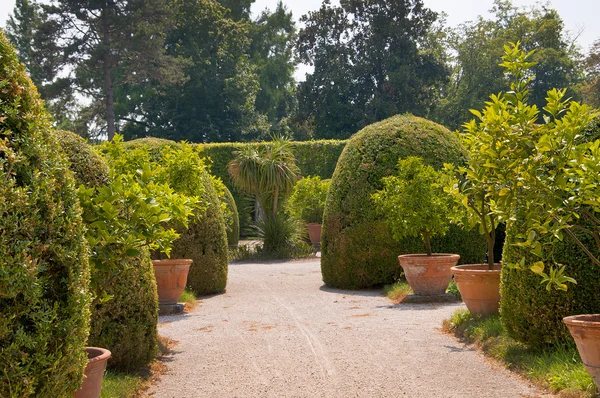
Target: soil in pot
[585, 330]
[428, 275]
[94, 371]
[479, 287]
[171, 278]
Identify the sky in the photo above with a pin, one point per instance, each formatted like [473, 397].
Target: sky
[580, 16]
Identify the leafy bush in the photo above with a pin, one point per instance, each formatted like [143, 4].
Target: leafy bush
[357, 247]
[230, 212]
[283, 236]
[125, 307]
[307, 200]
[44, 269]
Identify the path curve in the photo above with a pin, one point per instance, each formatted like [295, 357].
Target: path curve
[279, 332]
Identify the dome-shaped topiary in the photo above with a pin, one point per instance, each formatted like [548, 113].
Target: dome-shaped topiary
[358, 250]
[204, 241]
[126, 323]
[44, 269]
[230, 212]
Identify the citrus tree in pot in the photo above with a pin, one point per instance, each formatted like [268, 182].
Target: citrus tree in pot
[307, 203]
[415, 204]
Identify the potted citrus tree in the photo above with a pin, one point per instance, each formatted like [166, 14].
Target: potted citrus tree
[414, 203]
[307, 203]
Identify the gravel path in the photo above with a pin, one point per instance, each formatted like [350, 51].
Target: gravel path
[278, 332]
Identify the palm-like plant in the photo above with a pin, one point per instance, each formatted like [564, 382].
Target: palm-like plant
[269, 172]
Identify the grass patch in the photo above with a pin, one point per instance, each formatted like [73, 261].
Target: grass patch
[558, 368]
[189, 299]
[397, 292]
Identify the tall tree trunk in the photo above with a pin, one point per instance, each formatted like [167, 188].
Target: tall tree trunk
[108, 88]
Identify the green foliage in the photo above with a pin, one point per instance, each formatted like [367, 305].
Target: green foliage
[413, 203]
[372, 60]
[87, 166]
[283, 236]
[204, 240]
[230, 212]
[44, 272]
[591, 88]
[357, 247]
[307, 200]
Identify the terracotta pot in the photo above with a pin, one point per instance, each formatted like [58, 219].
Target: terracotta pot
[94, 371]
[479, 287]
[314, 233]
[585, 329]
[171, 278]
[428, 275]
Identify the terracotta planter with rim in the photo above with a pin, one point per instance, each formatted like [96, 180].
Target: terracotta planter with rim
[585, 330]
[171, 278]
[314, 233]
[479, 287]
[428, 275]
[94, 371]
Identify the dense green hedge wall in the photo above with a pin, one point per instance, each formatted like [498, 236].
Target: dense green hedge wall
[126, 324]
[205, 242]
[532, 314]
[315, 158]
[358, 250]
[44, 269]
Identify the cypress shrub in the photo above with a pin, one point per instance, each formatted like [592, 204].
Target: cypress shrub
[126, 323]
[358, 250]
[44, 269]
[205, 240]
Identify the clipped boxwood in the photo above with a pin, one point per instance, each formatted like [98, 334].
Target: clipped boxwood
[44, 269]
[232, 217]
[358, 250]
[204, 241]
[532, 314]
[126, 324]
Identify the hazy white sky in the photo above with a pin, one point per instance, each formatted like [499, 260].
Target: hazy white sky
[580, 16]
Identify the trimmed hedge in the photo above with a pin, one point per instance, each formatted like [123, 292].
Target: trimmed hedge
[530, 313]
[358, 250]
[233, 221]
[126, 324]
[44, 269]
[205, 242]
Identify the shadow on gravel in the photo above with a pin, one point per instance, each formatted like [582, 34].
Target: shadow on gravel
[454, 348]
[361, 293]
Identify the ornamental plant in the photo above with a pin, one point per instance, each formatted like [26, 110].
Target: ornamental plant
[307, 201]
[414, 203]
[542, 171]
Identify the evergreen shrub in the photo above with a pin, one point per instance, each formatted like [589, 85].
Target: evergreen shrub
[358, 250]
[44, 268]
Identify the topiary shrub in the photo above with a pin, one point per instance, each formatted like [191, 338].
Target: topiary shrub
[230, 212]
[205, 240]
[358, 250]
[126, 322]
[44, 269]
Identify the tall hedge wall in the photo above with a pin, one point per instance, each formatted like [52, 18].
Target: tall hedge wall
[358, 250]
[534, 315]
[205, 242]
[44, 269]
[127, 323]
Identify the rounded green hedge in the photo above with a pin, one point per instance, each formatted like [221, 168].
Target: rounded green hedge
[205, 242]
[358, 250]
[233, 218]
[126, 324]
[532, 314]
[44, 269]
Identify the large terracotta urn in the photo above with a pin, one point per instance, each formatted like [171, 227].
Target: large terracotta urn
[479, 287]
[171, 278]
[585, 330]
[428, 275]
[94, 371]
[314, 233]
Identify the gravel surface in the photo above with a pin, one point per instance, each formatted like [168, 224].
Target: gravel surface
[279, 332]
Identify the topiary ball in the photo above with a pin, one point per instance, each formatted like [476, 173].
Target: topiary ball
[44, 269]
[126, 324]
[358, 250]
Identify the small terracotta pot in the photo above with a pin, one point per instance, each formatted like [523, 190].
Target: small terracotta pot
[479, 287]
[94, 371]
[314, 233]
[171, 278]
[428, 275]
[585, 329]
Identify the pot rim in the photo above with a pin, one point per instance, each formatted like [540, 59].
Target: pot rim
[173, 261]
[103, 354]
[467, 268]
[434, 255]
[583, 320]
